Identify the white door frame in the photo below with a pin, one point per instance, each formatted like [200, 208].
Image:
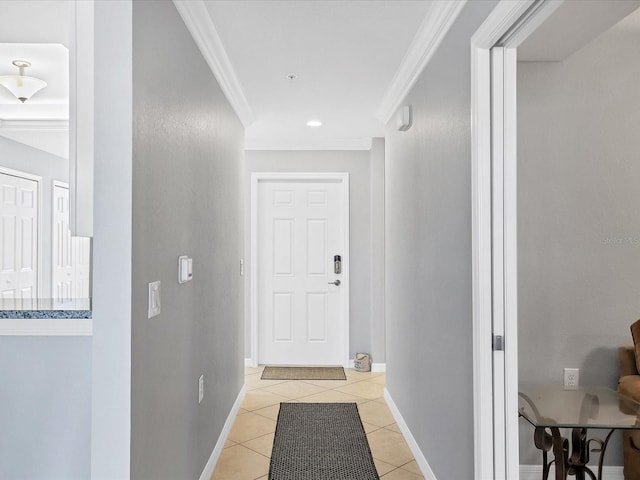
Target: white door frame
[494, 229]
[38, 179]
[256, 178]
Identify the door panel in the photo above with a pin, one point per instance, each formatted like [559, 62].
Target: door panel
[301, 315]
[71, 256]
[317, 317]
[317, 248]
[63, 274]
[19, 239]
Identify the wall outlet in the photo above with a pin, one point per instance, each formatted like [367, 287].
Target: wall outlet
[200, 388]
[571, 378]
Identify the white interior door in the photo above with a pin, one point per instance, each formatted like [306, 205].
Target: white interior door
[62, 275]
[81, 251]
[70, 255]
[19, 207]
[302, 302]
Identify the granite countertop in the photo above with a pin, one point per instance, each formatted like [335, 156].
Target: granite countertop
[45, 308]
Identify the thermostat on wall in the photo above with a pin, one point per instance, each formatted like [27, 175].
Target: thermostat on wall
[185, 269]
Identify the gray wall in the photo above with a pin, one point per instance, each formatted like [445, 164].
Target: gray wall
[187, 200]
[578, 217]
[45, 393]
[428, 256]
[360, 166]
[18, 156]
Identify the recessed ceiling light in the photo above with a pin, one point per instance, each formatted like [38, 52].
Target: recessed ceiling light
[314, 123]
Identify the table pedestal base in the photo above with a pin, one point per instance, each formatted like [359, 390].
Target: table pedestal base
[569, 456]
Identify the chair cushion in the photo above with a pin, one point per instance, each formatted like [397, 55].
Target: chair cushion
[635, 333]
[629, 386]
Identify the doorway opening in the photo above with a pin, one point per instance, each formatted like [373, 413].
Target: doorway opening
[503, 254]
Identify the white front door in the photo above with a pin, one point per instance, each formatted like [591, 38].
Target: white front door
[302, 302]
[18, 240]
[71, 256]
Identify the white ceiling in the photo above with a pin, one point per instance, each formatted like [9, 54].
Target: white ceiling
[49, 62]
[36, 31]
[35, 21]
[345, 55]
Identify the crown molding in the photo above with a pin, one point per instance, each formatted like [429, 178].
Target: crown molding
[196, 17]
[432, 30]
[323, 144]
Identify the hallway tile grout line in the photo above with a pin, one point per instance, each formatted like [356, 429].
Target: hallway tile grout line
[247, 453]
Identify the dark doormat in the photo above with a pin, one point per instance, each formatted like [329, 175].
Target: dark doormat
[320, 441]
[303, 373]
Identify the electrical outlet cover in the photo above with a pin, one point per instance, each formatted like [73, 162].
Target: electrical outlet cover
[571, 378]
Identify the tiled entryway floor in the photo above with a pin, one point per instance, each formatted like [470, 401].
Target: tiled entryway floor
[247, 452]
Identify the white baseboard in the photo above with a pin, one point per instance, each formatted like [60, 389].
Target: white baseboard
[534, 472]
[375, 367]
[222, 439]
[248, 362]
[408, 436]
[378, 367]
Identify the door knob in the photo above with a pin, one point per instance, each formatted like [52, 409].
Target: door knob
[336, 283]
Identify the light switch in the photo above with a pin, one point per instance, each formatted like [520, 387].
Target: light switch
[185, 269]
[154, 299]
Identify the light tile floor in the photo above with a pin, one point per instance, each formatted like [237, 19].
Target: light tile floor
[248, 450]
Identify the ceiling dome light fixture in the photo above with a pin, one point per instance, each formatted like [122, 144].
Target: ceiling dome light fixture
[22, 87]
[314, 123]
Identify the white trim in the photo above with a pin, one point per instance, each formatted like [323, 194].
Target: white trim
[46, 327]
[375, 367]
[316, 144]
[81, 118]
[534, 472]
[38, 180]
[196, 17]
[500, 458]
[248, 362]
[497, 23]
[35, 124]
[437, 22]
[419, 457]
[506, 14]
[378, 367]
[224, 434]
[481, 263]
[501, 19]
[257, 177]
[510, 263]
